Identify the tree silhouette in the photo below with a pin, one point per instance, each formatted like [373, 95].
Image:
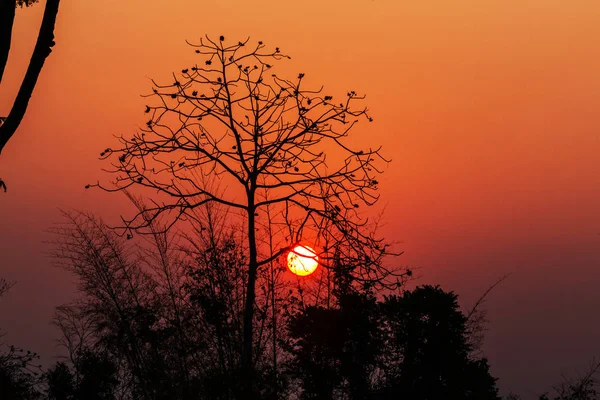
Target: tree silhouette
[167, 308]
[43, 48]
[267, 138]
[336, 350]
[413, 345]
[121, 310]
[17, 380]
[94, 378]
[429, 357]
[19, 376]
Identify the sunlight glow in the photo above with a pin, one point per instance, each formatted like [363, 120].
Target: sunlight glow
[302, 260]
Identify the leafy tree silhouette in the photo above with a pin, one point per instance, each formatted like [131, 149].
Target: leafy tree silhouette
[94, 378]
[427, 334]
[410, 346]
[336, 350]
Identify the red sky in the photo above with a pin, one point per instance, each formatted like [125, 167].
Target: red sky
[489, 111]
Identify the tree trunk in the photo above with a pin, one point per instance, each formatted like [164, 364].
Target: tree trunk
[247, 359]
[42, 50]
[7, 18]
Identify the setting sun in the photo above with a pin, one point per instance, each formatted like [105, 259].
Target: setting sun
[302, 260]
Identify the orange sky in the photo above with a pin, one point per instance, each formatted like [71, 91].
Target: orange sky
[489, 110]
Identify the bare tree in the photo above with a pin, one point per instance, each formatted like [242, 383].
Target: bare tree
[273, 143]
[43, 48]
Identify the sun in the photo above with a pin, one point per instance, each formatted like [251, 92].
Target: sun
[302, 260]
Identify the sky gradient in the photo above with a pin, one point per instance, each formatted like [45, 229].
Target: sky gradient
[489, 111]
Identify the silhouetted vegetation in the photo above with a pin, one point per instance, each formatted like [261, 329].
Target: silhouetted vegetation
[413, 345]
[93, 377]
[198, 305]
[17, 379]
[161, 317]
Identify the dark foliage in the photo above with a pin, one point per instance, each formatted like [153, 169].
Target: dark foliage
[429, 356]
[165, 319]
[410, 346]
[19, 378]
[93, 377]
[336, 350]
